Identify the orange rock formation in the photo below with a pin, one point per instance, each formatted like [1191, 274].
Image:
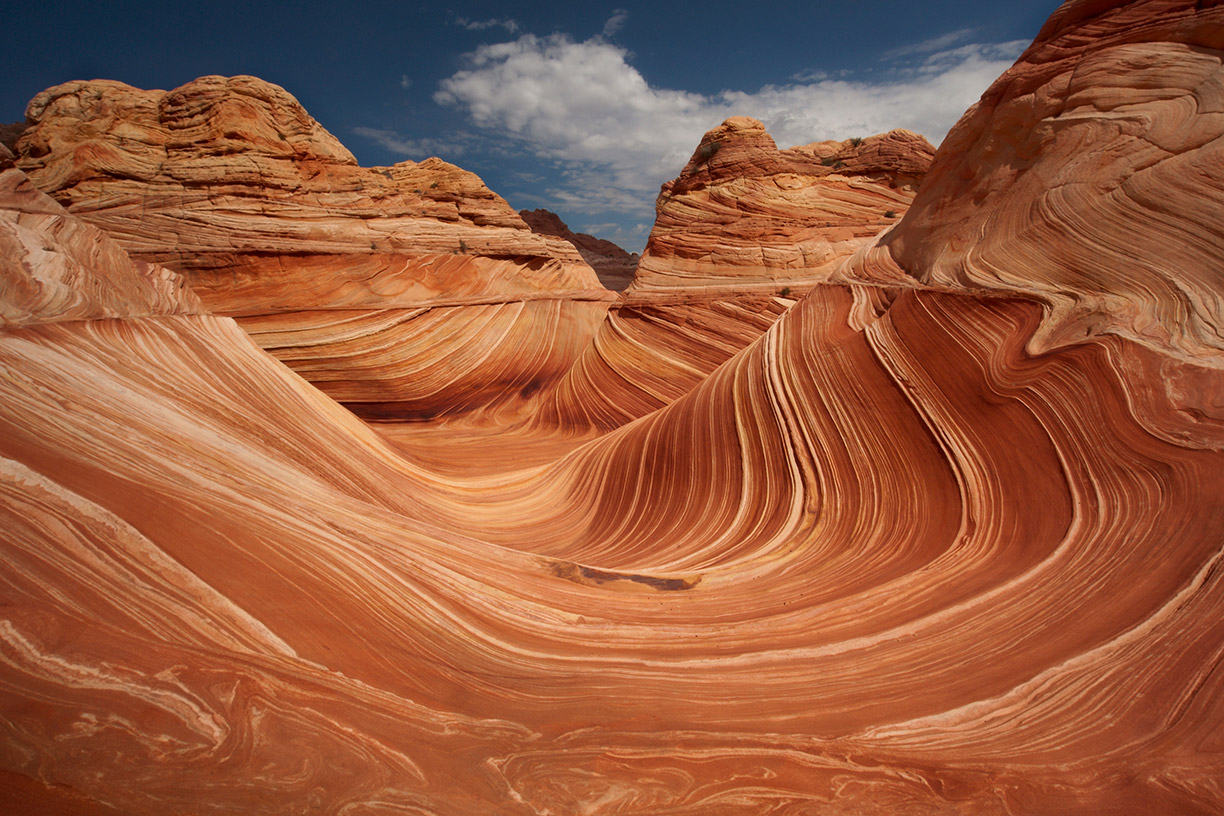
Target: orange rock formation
[743, 212]
[944, 539]
[740, 234]
[348, 274]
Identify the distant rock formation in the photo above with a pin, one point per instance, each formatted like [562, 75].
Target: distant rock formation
[224, 172]
[743, 213]
[613, 265]
[740, 235]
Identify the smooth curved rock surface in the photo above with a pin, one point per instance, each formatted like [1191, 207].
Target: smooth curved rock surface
[901, 554]
[60, 269]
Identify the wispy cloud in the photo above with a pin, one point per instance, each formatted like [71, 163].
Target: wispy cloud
[413, 148]
[511, 26]
[584, 105]
[948, 59]
[615, 23]
[940, 43]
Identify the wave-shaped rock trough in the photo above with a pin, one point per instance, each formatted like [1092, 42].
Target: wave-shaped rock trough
[934, 542]
[741, 234]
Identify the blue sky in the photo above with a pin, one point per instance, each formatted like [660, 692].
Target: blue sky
[581, 108]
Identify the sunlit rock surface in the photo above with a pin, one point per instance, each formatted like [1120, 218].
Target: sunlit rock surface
[229, 170]
[920, 548]
[743, 212]
[740, 235]
[348, 274]
[1088, 177]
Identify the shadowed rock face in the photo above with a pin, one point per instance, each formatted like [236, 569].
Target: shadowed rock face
[919, 548]
[613, 265]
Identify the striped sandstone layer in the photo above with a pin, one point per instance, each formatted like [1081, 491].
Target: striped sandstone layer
[348, 274]
[917, 549]
[740, 234]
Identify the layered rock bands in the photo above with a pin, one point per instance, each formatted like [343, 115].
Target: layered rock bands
[935, 531]
[340, 271]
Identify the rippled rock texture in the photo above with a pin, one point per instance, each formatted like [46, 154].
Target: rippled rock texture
[740, 235]
[1084, 178]
[348, 274]
[931, 544]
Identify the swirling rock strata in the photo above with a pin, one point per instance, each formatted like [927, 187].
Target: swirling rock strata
[483, 360]
[218, 577]
[740, 234]
[231, 182]
[1086, 177]
[648, 353]
[60, 269]
[892, 557]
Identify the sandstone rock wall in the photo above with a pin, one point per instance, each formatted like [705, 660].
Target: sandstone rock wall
[232, 183]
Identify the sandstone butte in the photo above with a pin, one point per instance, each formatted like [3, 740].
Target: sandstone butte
[944, 538]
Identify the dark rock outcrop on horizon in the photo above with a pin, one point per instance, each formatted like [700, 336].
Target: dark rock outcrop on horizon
[10, 133]
[613, 265]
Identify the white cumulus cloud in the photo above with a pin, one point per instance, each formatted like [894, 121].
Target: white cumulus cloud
[583, 104]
